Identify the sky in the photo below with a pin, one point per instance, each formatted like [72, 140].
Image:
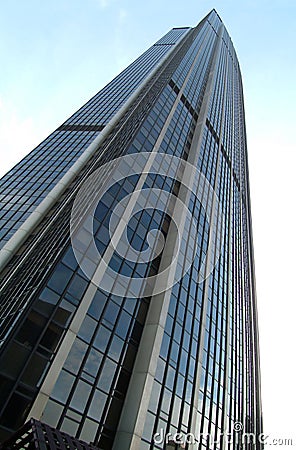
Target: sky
[55, 55]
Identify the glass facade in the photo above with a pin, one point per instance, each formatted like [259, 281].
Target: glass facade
[28, 183]
[121, 370]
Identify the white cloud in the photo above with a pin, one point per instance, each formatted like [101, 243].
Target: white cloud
[122, 15]
[103, 3]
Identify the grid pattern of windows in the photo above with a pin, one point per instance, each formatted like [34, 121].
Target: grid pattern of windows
[17, 292]
[65, 286]
[225, 379]
[27, 184]
[205, 377]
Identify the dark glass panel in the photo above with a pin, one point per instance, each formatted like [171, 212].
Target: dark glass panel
[47, 301]
[60, 278]
[64, 313]
[34, 370]
[113, 413]
[6, 386]
[31, 329]
[122, 382]
[15, 411]
[51, 337]
[12, 365]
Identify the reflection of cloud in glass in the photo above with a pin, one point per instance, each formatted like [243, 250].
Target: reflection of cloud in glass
[76, 355]
[97, 405]
[107, 375]
[63, 386]
[93, 362]
[115, 348]
[80, 396]
[102, 338]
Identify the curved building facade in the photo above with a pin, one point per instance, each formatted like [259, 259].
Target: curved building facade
[128, 314]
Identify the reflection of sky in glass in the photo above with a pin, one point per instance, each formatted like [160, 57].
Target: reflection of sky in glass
[63, 386]
[75, 356]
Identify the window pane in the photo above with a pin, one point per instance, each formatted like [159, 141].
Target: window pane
[80, 396]
[63, 386]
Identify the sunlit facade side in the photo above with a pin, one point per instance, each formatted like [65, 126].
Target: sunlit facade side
[117, 371]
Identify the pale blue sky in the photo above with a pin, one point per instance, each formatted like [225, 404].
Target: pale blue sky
[55, 55]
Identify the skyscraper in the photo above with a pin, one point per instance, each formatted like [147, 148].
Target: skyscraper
[128, 308]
